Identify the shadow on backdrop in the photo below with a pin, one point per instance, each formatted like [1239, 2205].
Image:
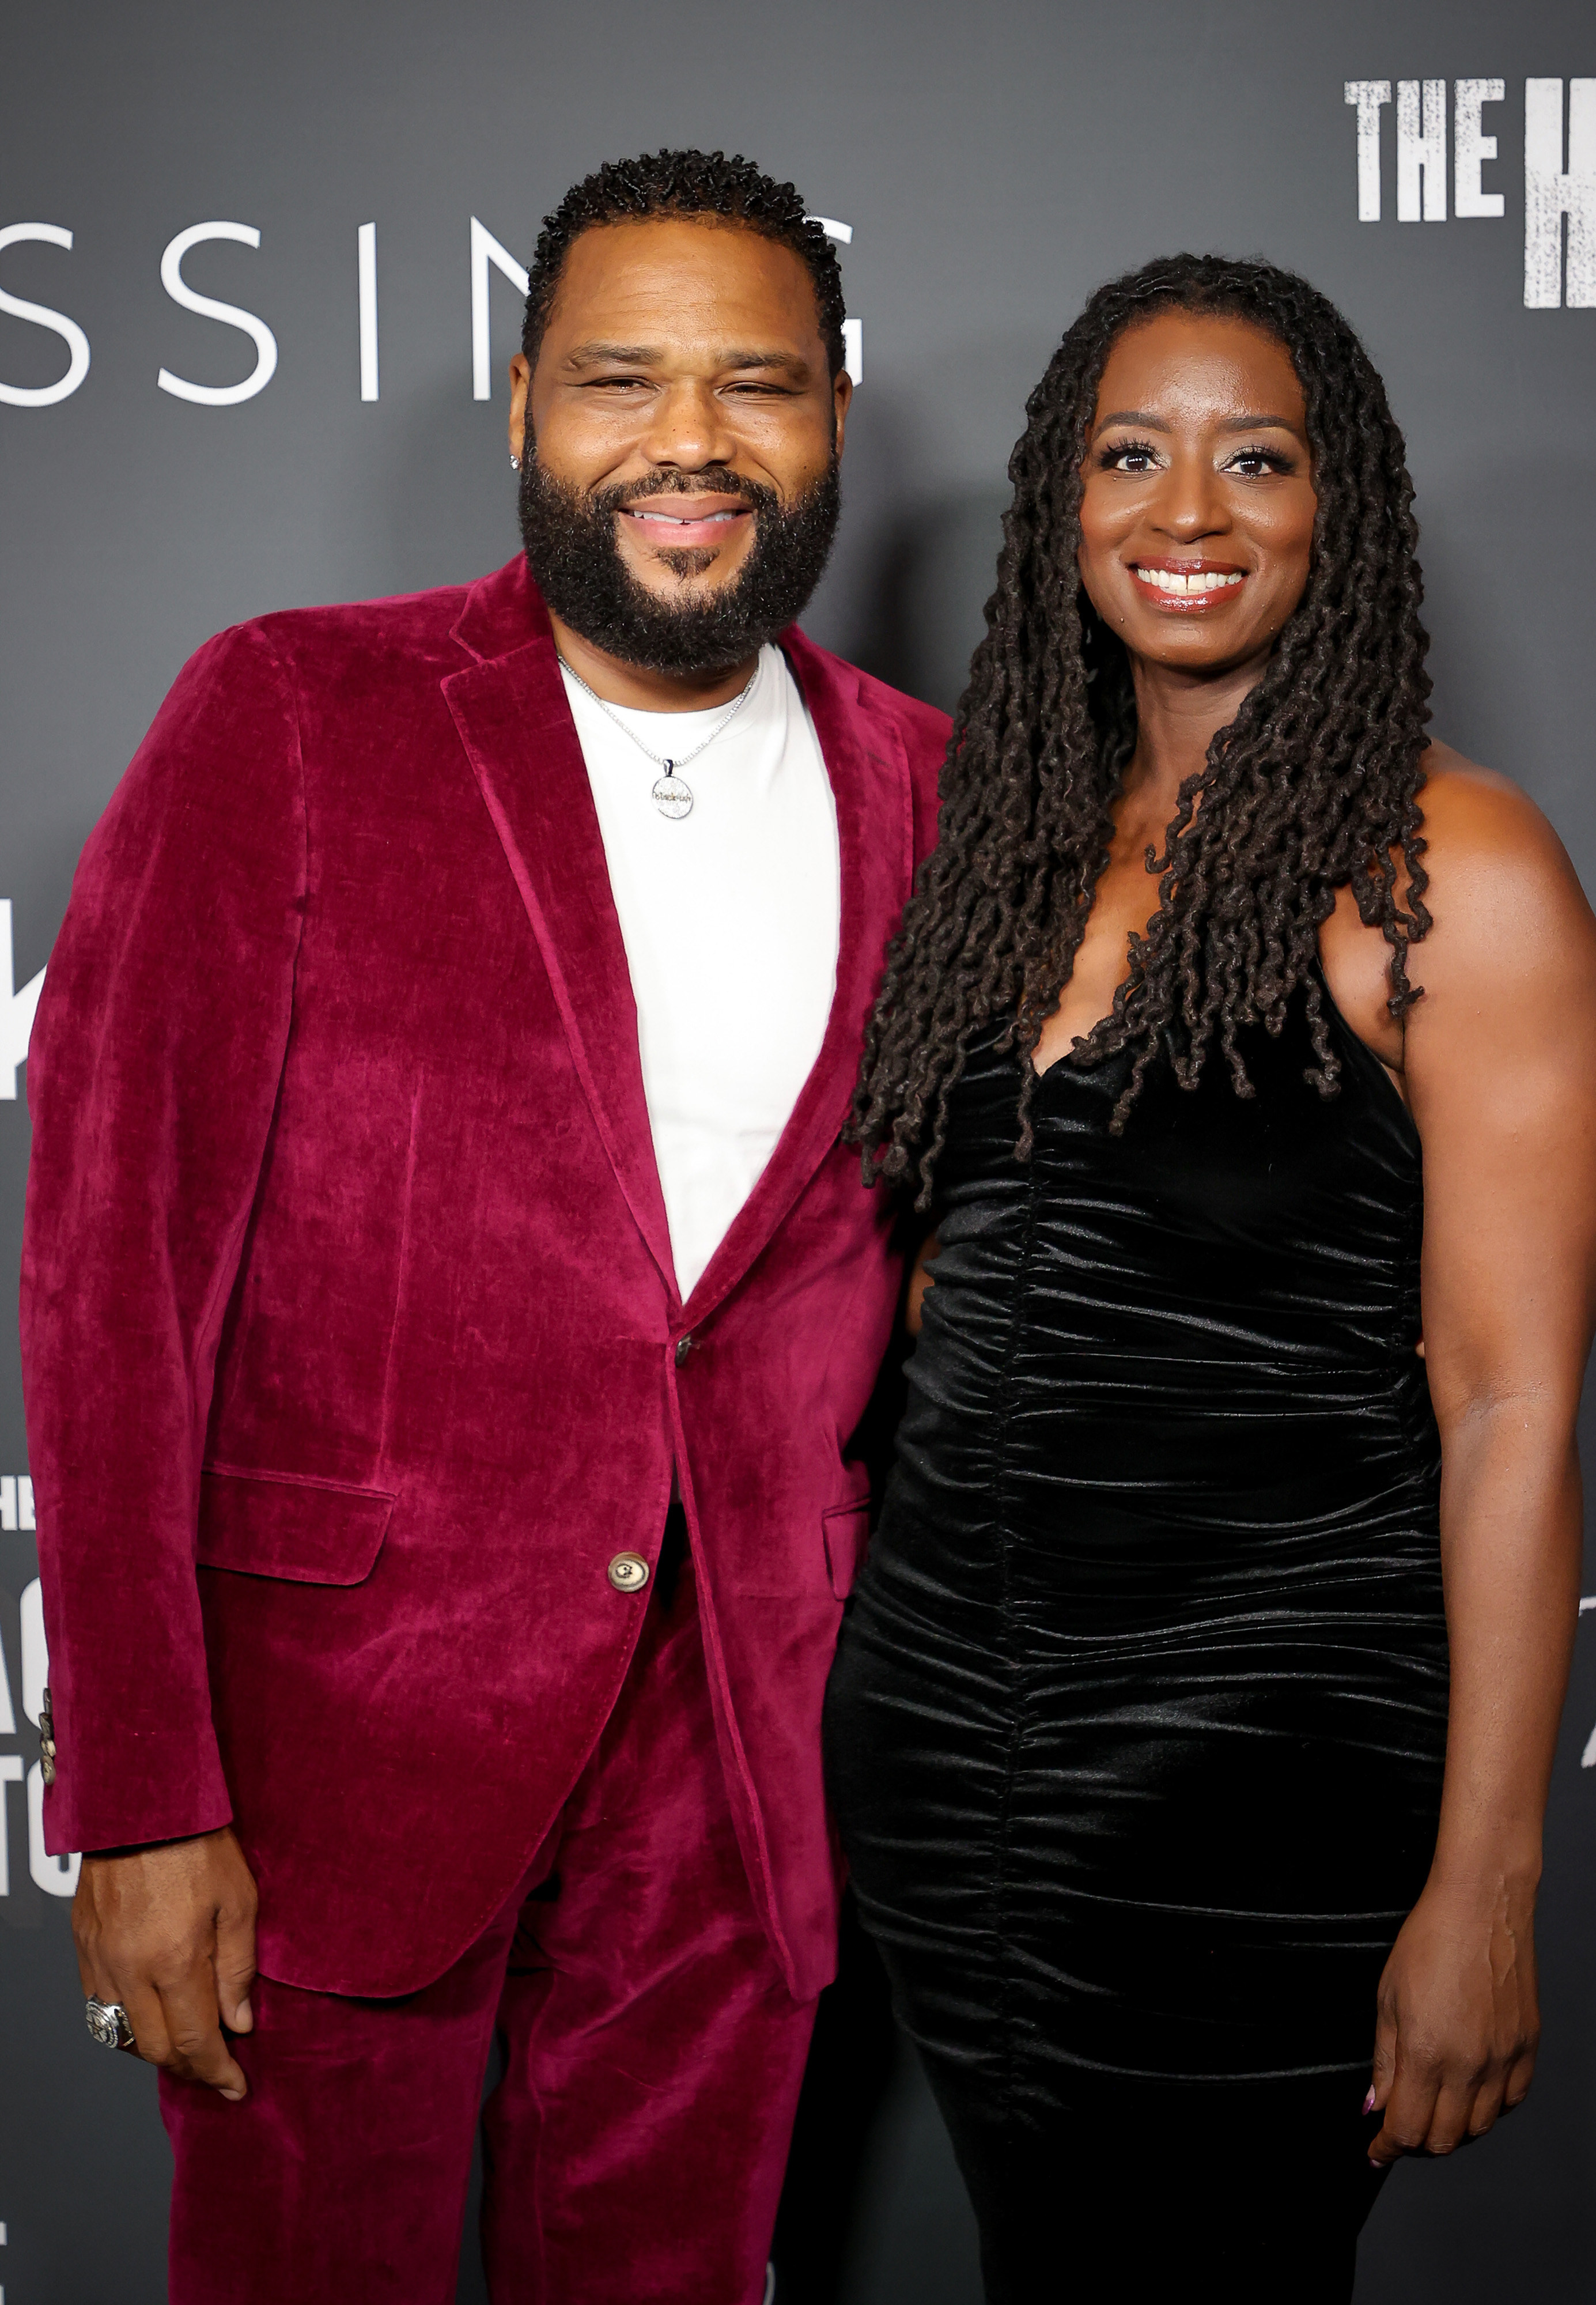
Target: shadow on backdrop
[1503, 693]
[922, 613]
[448, 509]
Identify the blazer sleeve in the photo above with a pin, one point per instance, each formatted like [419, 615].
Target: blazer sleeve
[152, 1076]
[927, 737]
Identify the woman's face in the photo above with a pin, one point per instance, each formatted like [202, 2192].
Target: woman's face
[1197, 516]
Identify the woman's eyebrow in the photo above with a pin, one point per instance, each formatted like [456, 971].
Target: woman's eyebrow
[1252, 423]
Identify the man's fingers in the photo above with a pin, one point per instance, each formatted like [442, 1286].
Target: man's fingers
[176, 2026]
[234, 1951]
[196, 2049]
[198, 2056]
[179, 2031]
[235, 1969]
[147, 2019]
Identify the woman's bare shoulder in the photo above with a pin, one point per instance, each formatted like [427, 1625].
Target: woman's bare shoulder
[1469, 809]
[1502, 887]
[1509, 928]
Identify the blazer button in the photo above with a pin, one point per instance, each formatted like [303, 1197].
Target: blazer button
[629, 1572]
[683, 1347]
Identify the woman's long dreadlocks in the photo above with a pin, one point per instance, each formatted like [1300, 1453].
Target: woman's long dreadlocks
[1312, 786]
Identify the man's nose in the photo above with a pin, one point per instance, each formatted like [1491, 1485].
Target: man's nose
[688, 429]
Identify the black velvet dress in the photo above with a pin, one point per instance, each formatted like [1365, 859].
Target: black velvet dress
[1136, 1731]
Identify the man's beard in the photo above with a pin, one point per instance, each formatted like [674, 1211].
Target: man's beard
[574, 556]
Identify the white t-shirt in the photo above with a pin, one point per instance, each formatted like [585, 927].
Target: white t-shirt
[730, 918]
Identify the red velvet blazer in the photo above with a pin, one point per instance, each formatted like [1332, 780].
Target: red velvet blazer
[352, 1349]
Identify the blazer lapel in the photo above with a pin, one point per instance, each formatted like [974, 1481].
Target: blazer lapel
[511, 711]
[514, 721]
[868, 769]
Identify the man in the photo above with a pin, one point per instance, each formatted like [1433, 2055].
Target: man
[447, 1305]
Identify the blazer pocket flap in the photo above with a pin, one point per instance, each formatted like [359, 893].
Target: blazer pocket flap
[846, 1530]
[276, 1524]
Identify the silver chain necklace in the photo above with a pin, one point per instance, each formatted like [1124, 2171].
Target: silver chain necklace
[672, 797]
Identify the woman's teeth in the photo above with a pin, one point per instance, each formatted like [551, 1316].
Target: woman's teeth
[1166, 580]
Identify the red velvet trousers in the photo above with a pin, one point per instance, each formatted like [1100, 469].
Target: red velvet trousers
[635, 2147]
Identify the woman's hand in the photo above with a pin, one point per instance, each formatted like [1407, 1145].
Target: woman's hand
[1459, 2019]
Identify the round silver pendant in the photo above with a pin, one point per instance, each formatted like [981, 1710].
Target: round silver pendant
[672, 797]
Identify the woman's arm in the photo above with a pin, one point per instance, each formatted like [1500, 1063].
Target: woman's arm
[1500, 1069]
[920, 1280]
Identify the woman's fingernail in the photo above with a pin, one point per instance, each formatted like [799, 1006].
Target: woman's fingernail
[1369, 2102]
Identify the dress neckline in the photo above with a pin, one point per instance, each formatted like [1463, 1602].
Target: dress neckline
[1354, 1047]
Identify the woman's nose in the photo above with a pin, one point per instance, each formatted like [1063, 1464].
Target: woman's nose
[1191, 502]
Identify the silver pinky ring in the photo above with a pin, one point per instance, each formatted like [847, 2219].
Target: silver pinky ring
[107, 2023]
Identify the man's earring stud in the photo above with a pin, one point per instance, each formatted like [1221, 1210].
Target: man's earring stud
[514, 462]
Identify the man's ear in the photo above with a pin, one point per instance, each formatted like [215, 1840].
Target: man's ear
[842, 400]
[520, 384]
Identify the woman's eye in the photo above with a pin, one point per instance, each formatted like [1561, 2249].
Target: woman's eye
[1257, 463]
[1133, 459]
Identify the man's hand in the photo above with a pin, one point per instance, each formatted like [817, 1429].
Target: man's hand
[1458, 2021]
[169, 1931]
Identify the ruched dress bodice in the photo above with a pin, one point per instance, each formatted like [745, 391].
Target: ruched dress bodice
[1137, 1726]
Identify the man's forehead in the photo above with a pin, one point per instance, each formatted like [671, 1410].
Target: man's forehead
[653, 279]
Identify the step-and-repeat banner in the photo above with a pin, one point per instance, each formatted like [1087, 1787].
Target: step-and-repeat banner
[259, 281]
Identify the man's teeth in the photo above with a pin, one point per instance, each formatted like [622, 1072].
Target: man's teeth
[686, 519]
[1197, 580]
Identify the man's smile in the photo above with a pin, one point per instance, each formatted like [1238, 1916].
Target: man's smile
[681, 522]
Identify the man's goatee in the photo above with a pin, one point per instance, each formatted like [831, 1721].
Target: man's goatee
[575, 559]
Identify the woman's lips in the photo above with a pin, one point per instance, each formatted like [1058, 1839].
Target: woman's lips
[1188, 587]
[667, 525]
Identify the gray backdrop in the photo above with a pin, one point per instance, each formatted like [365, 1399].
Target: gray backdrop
[993, 162]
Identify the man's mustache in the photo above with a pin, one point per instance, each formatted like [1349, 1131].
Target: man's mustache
[756, 494]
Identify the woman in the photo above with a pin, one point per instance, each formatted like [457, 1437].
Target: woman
[1190, 1732]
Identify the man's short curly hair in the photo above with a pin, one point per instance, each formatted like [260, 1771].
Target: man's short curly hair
[685, 184]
